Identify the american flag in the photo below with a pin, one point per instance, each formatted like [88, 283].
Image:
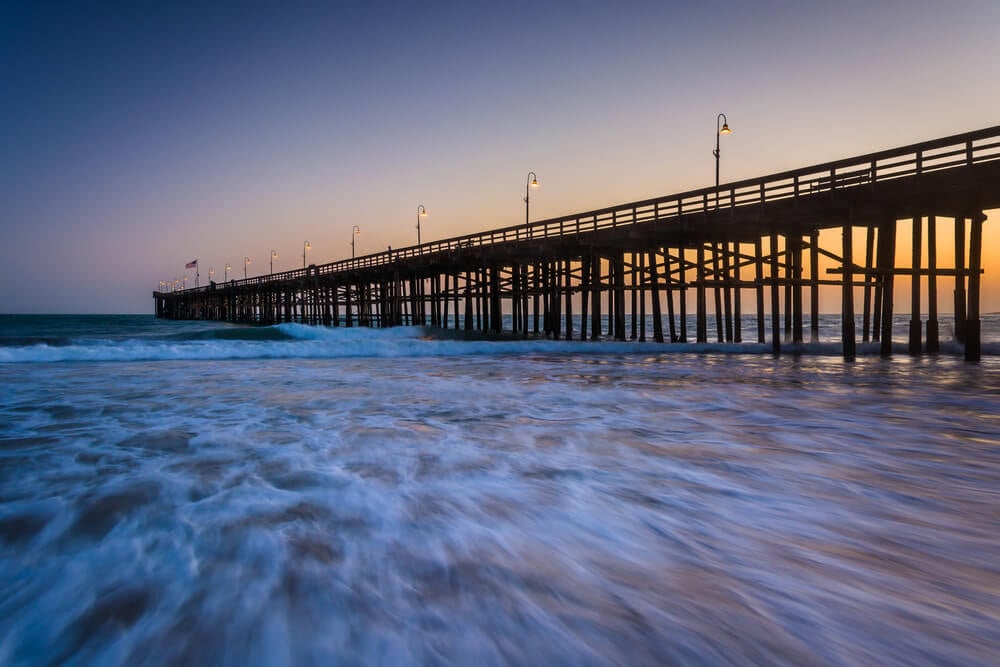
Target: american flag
[192, 264]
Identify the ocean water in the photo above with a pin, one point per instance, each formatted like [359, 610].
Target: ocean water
[208, 494]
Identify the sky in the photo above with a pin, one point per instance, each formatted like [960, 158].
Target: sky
[135, 137]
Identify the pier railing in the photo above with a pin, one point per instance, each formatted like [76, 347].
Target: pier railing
[962, 150]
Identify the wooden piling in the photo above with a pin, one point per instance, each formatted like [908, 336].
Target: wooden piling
[933, 344]
[585, 267]
[789, 279]
[610, 307]
[728, 290]
[775, 298]
[973, 325]
[654, 289]
[701, 307]
[814, 287]
[847, 333]
[496, 313]
[866, 318]
[469, 322]
[681, 289]
[348, 307]
[717, 278]
[535, 271]
[555, 296]
[737, 295]
[916, 326]
[568, 286]
[595, 298]
[758, 250]
[887, 241]
[643, 281]
[526, 292]
[797, 289]
[670, 289]
[960, 299]
[619, 280]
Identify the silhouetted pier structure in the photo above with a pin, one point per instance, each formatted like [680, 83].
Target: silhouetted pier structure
[756, 239]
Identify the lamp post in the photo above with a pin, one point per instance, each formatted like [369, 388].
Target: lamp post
[273, 255]
[305, 247]
[532, 183]
[246, 263]
[722, 127]
[175, 285]
[226, 273]
[355, 233]
[211, 274]
[421, 213]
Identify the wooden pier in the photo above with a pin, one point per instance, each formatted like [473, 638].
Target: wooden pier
[600, 273]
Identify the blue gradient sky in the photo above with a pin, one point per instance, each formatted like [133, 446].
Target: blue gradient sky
[136, 138]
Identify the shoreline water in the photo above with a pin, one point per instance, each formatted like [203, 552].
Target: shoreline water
[53, 339]
[376, 498]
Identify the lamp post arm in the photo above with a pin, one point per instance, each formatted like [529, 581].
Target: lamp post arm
[721, 124]
[527, 193]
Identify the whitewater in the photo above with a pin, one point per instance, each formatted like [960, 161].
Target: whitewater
[202, 493]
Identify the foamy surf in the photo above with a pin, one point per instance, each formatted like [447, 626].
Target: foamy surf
[297, 341]
[499, 509]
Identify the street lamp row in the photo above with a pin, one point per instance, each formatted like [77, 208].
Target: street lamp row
[721, 127]
[247, 261]
[355, 232]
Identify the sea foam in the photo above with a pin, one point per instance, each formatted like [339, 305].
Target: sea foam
[297, 341]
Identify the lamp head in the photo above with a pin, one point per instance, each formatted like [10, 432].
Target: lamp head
[308, 247]
[534, 182]
[725, 129]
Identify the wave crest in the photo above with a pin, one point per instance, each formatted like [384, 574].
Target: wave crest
[298, 341]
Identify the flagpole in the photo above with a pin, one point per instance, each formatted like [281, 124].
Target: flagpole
[196, 274]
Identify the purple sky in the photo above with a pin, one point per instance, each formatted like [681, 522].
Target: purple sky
[135, 139]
